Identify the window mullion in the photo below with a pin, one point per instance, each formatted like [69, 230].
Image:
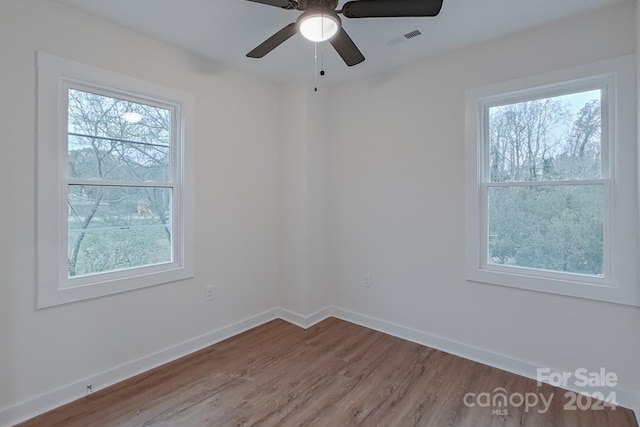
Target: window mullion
[113, 183]
[547, 183]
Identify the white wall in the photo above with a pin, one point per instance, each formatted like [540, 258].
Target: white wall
[397, 192]
[236, 142]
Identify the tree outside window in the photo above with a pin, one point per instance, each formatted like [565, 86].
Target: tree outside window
[545, 192]
[119, 200]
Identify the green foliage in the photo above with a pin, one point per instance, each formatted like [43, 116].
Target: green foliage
[121, 248]
[557, 228]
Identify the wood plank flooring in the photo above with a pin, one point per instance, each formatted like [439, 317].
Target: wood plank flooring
[333, 374]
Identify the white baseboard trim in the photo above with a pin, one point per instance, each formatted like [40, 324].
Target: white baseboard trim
[53, 399]
[624, 397]
[304, 321]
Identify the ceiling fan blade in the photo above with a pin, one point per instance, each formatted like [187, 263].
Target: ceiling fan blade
[274, 41]
[285, 4]
[346, 48]
[391, 8]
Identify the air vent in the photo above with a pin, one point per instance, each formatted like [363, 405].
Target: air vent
[411, 34]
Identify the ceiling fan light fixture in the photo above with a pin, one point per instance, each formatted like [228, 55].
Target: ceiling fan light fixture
[318, 26]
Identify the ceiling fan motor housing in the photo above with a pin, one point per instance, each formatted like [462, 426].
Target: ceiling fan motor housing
[317, 4]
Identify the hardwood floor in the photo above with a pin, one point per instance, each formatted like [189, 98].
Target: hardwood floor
[333, 374]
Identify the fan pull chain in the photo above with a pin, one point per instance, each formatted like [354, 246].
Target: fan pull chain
[315, 67]
[322, 59]
[315, 60]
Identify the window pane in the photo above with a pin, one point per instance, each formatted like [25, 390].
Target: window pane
[116, 139]
[555, 138]
[557, 228]
[113, 228]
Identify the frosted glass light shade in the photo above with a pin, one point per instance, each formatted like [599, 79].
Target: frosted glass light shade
[318, 27]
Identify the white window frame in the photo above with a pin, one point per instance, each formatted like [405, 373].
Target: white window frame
[619, 282]
[55, 76]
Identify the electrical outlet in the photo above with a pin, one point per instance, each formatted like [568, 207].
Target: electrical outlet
[367, 280]
[208, 293]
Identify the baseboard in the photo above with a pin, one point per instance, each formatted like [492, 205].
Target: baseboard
[625, 398]
[53, 399]
[304, 321]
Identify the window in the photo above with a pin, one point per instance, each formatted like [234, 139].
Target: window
[551, 190]
[115, 200]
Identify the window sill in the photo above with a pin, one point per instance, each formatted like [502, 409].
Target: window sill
[591, 288]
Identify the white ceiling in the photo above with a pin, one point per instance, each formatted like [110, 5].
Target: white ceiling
[225, 30]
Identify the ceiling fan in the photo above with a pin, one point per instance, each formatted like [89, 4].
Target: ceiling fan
[320, 21]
